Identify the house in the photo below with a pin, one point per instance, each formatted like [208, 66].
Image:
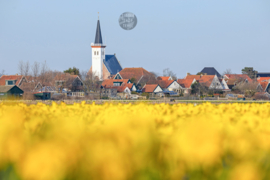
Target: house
[209, 81]
[136, 75]
[103, 66]
[11, 80]
[170, 85]
[10, 91]
[123, 92]
[186, 84]
[233, 79]
[68, 82]
[152, 88]
[224, 85]
[210, 71]
[164, 78]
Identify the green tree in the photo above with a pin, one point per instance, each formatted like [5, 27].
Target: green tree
[199, 73]
[73, 71]
[133, 80]
[250, 72]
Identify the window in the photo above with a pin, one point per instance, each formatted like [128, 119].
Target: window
[102, 52]
[10, 82]
[117, 84]
[97, 52]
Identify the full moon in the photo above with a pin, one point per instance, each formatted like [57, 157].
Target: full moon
[127, 20]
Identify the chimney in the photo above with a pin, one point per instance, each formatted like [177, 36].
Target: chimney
[205, 74]
[16, 74]
[188, 74]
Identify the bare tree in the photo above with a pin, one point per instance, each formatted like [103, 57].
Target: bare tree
[21, 68]
[155, 74]
[90, 81]
[35, 72]
[2, 72]
[168, 72]
[44, 73]
[227, 71]
[24, 68]
[249, 89]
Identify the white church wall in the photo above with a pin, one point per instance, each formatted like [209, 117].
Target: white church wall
[98, 55]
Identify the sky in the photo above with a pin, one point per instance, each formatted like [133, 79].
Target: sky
[182, 35]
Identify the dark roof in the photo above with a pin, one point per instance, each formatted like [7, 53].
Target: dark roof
[211, 71]
[98, 39]
[112, 64]
[263, 74]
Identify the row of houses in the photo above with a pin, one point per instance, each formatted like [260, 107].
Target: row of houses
[14, 86]
[128, 80]
[208, 78]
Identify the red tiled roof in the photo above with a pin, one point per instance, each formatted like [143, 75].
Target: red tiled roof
[193, 77]
[137, 73]
[10, 77]
[129, 85]
[185, 83]
[121, 88]
[239, 76]
[149, 88]
[264, 85]
[109, 82]
[206, 80]
[163, 78]
[263, 79]
[165, 83]
[232, 82]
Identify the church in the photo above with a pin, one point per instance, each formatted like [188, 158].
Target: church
[103, 66]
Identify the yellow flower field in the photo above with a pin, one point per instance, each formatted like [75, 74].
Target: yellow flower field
[135, 141]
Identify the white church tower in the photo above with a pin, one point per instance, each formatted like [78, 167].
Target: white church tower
[98, 54]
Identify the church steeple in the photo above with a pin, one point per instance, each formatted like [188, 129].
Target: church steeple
[98, 39]
[98, 54]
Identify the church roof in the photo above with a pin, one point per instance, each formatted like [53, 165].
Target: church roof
[98, 39]
[112, 64]
[211, 71]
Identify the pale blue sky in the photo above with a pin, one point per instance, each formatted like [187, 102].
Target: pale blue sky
[183, 35]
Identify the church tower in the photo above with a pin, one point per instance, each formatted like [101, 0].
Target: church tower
[98, 54]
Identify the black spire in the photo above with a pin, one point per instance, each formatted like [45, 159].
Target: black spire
[98, 39]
